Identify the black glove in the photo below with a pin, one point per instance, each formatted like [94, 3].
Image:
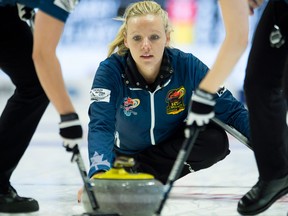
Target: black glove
[202, 108]
[70, 130]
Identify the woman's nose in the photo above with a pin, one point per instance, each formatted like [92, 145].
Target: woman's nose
[146, 44]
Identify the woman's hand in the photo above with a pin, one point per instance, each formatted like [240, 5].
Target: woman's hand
[79, 194]
[80, 191]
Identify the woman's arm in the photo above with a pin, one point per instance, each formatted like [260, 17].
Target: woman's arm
[235, 16]
[102, 114]
[232, 112]
[47, 33]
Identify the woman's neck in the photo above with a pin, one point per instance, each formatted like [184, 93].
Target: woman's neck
[149, 74]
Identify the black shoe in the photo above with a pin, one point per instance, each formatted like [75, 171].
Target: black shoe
[10, 202]
[262, 196]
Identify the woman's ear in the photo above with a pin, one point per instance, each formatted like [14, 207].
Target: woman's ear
[125, 40]
[167, 39]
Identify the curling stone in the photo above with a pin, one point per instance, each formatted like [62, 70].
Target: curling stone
[128, 194]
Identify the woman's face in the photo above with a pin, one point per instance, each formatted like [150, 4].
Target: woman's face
[146, 39]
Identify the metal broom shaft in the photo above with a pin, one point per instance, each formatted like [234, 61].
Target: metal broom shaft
[78, 158]
[91, 196]
[178, 165]
[232, 131]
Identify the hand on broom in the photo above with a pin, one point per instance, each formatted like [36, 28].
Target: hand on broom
[201, 109]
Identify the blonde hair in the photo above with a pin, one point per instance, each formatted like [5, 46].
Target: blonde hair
[137, 9]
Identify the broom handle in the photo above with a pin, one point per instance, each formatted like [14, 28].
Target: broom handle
[78, 158]
[232, 131]
[178, 165]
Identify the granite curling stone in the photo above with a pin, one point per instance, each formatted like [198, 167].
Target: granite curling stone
[128, 194]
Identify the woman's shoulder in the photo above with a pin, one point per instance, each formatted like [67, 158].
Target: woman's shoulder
[109, 72]
[177, 53]
[113, 62]
[178, 56]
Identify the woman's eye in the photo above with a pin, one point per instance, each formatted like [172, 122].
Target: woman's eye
[154, 37]
[137, 38]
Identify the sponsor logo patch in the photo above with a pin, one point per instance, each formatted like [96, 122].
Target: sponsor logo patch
[100, 95]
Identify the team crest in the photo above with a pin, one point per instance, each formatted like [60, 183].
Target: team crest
[128, 106]
[175, 100]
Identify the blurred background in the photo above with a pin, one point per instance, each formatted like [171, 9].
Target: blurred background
[198, 28]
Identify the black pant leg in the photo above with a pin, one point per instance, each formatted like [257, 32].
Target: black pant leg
[26, 106]
[264, 94]
[210, 147]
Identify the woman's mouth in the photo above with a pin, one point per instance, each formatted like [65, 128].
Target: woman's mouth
[146, 56]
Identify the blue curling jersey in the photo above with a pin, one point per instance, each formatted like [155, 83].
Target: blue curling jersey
[131, 119]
